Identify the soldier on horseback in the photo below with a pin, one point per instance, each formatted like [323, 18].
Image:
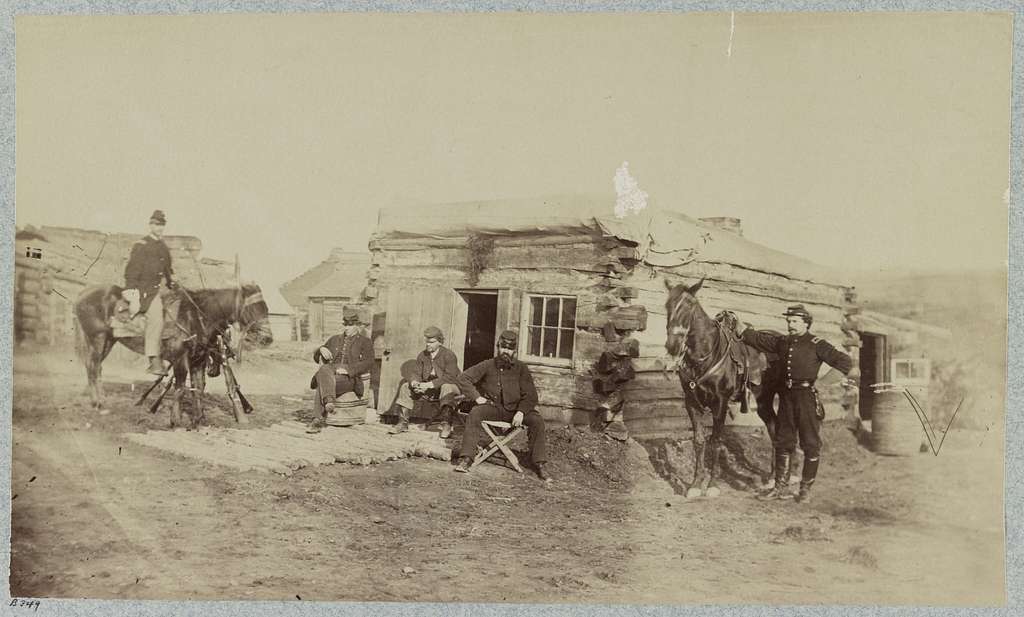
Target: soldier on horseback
[146, 276]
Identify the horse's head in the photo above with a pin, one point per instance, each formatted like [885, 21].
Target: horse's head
[680, 309]
[253, 316]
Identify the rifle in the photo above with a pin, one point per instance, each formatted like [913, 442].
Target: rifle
[159, 399]
[229, 375]
[161, 378]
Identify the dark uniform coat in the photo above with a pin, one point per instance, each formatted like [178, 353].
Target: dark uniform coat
[511, 389]
[354, 353]
[800, 411]
[149, 264]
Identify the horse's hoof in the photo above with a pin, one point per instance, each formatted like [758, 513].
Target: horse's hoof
[242, 419]
[693, 492]
[713, 491]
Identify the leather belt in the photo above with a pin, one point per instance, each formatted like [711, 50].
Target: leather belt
[796, 385]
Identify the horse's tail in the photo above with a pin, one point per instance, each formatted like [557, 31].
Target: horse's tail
[93, 308]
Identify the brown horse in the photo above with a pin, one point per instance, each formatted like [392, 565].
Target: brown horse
[709, 359]
[203, 317]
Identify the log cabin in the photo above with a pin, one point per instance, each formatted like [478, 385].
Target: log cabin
[559, 269]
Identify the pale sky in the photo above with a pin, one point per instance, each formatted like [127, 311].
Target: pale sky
[866, 141]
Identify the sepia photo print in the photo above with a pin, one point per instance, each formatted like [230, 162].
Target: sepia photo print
[634, 308]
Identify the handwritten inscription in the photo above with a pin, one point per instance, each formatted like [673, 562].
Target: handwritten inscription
[23, 603]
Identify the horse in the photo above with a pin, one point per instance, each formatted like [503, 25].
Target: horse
[203, 318]
[705, 349]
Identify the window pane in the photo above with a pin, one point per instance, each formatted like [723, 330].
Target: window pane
[565, 349]
[550, 340]
[534, 346]
[536, 310]
[568, 313]
[551, 312]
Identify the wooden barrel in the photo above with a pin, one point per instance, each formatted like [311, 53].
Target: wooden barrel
[349, 410]
[895, 427]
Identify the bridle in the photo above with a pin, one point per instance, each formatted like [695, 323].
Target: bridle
[697, 362]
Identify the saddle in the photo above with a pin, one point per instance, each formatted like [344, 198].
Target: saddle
[126, 326]
[750, 364]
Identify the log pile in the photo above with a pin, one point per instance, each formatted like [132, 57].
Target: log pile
[286, 447]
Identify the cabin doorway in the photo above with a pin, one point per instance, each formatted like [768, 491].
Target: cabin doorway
[479, 309]
[873, 369]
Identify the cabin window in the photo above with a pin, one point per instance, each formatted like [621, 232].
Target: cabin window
[911, 370]
[551, 328]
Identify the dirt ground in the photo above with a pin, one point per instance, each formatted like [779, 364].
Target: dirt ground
[95, 516]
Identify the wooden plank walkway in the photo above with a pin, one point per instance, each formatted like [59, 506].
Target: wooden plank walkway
[284, 447]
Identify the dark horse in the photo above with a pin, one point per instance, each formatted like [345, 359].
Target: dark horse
[203, 317]
[709, 359]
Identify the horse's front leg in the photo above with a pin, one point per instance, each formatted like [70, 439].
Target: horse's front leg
[179, 389]
[711, 489]
[696, 421]
[198, 372]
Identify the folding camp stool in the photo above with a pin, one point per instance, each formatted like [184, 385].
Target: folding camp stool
[501, 434]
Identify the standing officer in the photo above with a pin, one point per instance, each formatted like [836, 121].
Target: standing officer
[148, 268]
[800, 411]
[503, 390]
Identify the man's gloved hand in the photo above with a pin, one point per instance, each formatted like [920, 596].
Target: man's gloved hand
[481, 400]
[517, 420]
[326, 355]
[740, 327]
[132, 297]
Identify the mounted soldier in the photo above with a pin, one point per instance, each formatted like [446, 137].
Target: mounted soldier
[147, 276]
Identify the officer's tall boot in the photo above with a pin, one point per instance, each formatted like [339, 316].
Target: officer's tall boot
[403, 421]
[781, 488]
[807, 479]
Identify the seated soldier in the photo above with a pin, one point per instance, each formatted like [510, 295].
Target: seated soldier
[506, 393]
[429, 378]
[343, 360]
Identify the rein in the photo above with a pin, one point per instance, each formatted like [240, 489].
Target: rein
[718, 364]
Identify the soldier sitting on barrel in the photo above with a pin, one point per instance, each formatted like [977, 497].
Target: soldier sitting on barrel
[343, 360]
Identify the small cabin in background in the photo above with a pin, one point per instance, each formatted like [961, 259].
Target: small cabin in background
[318, 294]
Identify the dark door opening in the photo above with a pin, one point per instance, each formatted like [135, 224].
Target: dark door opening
[482, 314]
[872, 370]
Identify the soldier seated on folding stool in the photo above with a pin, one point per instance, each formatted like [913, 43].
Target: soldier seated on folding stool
[431, 380]
[343, 360]
[503, 390]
